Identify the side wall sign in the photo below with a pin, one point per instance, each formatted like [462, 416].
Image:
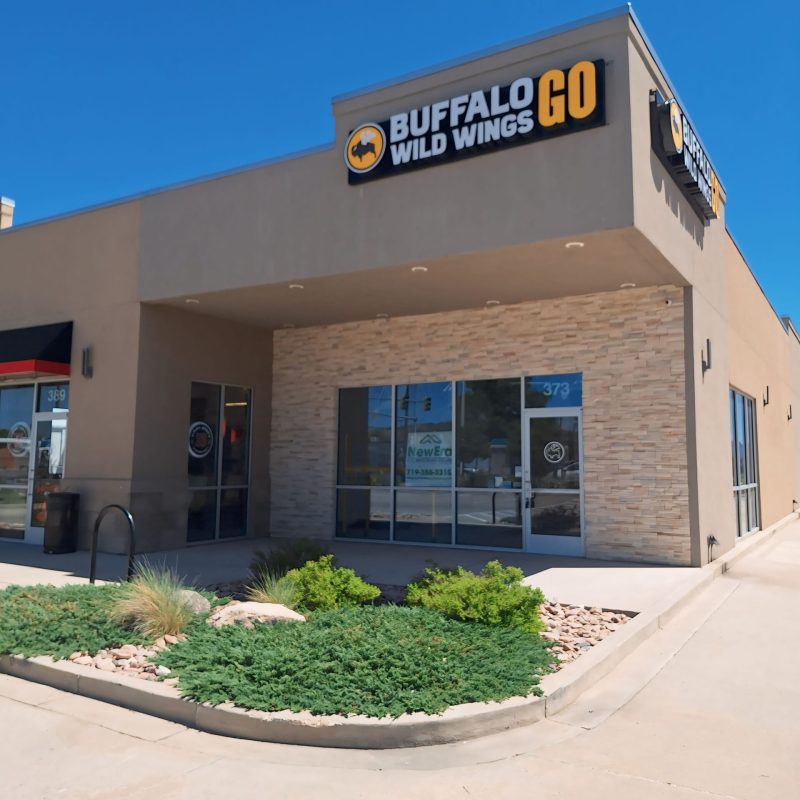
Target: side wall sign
[528, 109]
[679, 149]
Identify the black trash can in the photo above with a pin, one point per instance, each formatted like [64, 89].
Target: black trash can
[61, 526]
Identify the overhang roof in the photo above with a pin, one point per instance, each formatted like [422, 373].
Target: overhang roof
[37, 351]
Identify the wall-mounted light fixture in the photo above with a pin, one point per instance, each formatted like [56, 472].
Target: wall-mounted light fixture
[87, 370]
[705, 358]
[765, 399]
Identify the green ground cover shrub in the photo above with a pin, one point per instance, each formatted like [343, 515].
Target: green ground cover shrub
[494, 597]
[57, 621]
[286, 555]
[321, 586]
[374, 660]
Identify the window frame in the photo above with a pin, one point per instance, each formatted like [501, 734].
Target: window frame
[35, 384]
[453, 490]
[218, 487]
[750, 489]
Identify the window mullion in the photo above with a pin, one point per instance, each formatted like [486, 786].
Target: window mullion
[453, 445]
[220, 438]
[392, 457]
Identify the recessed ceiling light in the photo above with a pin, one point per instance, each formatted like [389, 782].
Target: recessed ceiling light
[296, 286]
[382, 315]
[571, 245]
[192, 301]
[492, 302]
[627, 286]
[419, 268]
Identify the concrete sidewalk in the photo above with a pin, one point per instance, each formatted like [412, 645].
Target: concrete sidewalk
[708, 707]
[577, 581]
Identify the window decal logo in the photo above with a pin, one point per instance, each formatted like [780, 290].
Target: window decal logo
[365, 148]
[554, 452]
[19, 439]
[201, 439]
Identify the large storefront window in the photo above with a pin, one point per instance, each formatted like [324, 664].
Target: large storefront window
[442, 462]
[488, 463]
[488, 434]
[424, 435]
[365, 436]
[218, 462]
[744, 462]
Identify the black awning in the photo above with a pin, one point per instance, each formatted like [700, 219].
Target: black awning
[42, 350]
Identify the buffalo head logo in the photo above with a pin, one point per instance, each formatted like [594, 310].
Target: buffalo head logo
[554, 452]
[365, 147]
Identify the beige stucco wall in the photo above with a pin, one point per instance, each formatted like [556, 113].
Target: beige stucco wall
[127, 424]
[665, 217]
[794, 384]
[178, 348]
[299, 218]
[627, 344]
[761, 354]
[707, 411]
[84, 268]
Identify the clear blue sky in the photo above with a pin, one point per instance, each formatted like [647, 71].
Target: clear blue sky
[99, 100]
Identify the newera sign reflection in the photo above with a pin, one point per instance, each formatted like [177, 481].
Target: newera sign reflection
[527, 109]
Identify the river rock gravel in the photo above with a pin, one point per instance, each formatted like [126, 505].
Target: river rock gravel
[576, 629]
[129, 659]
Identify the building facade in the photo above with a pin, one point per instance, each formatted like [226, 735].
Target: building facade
[501, 310]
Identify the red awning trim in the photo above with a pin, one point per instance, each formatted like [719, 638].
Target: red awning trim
[33, 365]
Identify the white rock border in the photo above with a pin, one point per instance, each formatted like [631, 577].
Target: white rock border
[466, 721]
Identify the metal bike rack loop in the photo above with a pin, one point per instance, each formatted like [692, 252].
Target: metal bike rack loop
[131, 539]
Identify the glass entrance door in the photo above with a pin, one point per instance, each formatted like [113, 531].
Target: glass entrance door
[16, 413]
[553, 484]
[46, 469]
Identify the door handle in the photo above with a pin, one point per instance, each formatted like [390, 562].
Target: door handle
[529, 500]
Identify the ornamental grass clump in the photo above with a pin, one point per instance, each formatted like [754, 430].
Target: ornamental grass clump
[323, 587]
[494, 597]
[152, 604]
[270, 587]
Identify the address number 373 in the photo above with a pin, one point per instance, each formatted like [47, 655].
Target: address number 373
[555, 389]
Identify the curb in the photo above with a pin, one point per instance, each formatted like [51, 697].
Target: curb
[467, 721]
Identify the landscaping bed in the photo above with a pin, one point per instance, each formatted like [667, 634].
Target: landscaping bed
[460, 638]
[377, 661]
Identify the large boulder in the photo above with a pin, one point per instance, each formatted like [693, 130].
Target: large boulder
[248, 613]
[195, 601]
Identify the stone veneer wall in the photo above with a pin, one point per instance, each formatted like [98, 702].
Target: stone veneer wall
[628, 345]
